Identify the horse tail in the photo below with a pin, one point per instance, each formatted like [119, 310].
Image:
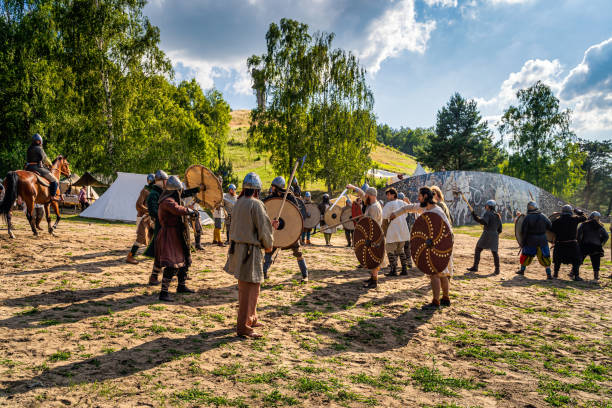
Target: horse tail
[10, 194]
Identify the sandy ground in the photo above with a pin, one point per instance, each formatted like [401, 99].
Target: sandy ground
[79, 327]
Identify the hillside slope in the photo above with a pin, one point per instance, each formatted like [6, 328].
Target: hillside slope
[245, 159]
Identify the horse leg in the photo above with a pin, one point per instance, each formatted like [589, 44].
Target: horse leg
[9, 224]
[29, 201]
[48, 217]
[57, 213]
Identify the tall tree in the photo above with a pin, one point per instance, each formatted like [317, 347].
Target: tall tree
[404, 139]
[597, 168]
[462, 140]
[544, 148]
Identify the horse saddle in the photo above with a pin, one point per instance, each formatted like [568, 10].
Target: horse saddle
[41, 180]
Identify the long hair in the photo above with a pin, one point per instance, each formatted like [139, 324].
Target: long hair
[437, 191]
[10, 194]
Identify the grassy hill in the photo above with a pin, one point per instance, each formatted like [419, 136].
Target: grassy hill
[245, 159]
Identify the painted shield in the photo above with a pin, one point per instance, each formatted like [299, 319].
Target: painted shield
[291, 223]
[332, 216]
[518, 225]
[431, 243]
[345, 217]
[369, 243]
[551, 236]
[313, 216]
[210, 196]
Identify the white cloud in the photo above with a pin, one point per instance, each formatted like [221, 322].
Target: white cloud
[441, 3]
[586, 89]
[395, 31]
[497, 2]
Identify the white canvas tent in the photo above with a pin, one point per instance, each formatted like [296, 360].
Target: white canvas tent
[118, 203]
[419, 170]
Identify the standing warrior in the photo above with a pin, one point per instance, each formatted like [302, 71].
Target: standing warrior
[348, 233]
[374, 211]
[250, 232]
[566, 249]
[143, 221]
[229, 200]
[491, 220]
[277, 189]
[592, 236]
[323, 207]
[152, 205]
[397, 233]
[306, 233]
[402, 196]
[37, 160]
[196, 222]
[442, 280]
[535, 242]
[219, 218]
[172, 248]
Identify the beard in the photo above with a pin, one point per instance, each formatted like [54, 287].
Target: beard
[423, 204]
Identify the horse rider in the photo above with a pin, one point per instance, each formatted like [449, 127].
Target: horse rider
[37, 160]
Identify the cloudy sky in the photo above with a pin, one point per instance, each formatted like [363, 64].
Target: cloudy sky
[417, 52]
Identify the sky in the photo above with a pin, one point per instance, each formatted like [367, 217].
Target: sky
[417, 52]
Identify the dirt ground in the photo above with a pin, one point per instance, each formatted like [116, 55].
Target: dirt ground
[80, 327]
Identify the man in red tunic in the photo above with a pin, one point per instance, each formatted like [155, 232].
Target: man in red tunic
[172, 244]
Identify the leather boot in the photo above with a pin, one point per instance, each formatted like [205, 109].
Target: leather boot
[474, 267]
[596, 275]
[154, 278]
[404, 263]
[303, 270]
[182, 277]
[165, 297]
[496, 262]
[131, 260]
[392, 264]
[198, 242]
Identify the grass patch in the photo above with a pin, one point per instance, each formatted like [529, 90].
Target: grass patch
[60, 356]
[196, 395]
[431, 380]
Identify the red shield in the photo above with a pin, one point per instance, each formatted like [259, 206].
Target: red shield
[369, 243]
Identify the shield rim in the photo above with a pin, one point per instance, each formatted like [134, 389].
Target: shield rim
[208, 174]
[347, 224]
[517, 227]
[413, 247]
[331, 221]
[316, 215]
[381, 241]
[288, 204]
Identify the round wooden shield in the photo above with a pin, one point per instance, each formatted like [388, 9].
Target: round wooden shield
[313, 216]
[518, 225]
[291, 223]
[198, 175]
[345, 217]
[369, 243]
[332, 215]
[551, 236]
[431, 243]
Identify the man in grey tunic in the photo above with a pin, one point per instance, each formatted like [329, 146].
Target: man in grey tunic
[250, 234]
[491, 220]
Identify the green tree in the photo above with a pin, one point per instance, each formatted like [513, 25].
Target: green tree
[544, 149]
[404, 139]
[462, 140]
[597, 167]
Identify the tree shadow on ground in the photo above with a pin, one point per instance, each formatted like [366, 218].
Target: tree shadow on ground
[122, 363]
[68, 296]
[110, 252]
[376, 335]
[473, 275]
[87, 267]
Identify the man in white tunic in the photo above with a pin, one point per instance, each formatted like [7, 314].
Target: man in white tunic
[397, 233]
[427, 204]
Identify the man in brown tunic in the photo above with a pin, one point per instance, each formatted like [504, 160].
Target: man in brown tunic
[144, 225]
[172, 247]
[250, 235]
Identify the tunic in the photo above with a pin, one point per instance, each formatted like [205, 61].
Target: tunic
[534, 229]
[492, 228]
[323, 208]
[373, 211]
[170, 247]
[592, 236]
[152, 206]
[566, 249]
[398, 230]
[250, 233]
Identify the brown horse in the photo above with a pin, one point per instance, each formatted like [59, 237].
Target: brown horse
[32, 189]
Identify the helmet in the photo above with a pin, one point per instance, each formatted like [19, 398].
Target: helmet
[567, 209]
[174, 183]
[252, 181]
[326, 196]
[37, 138]
[365, 186]
[371, 191]
[595, 215]
[401, 196]
[348, 201]
[161, 175]
[307, 194]
[150, 178]
[491, 204]
[532, 205]
[231, 187]
[279, 182]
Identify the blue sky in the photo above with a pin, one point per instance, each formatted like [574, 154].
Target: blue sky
[417, 52]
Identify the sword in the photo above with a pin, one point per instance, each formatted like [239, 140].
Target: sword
[338, 199]
[326, 227]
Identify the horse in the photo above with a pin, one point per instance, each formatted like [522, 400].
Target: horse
[33, 189]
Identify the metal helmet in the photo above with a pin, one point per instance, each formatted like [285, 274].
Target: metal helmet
[595, 215]
[161, 175]
[150, 178]
[252, 181]
[567, 209]
[307, 194]
[174, 183]
[326, 196]
[401, 196]
[491, 204]
[348, 201]
[532, 205]
[279, 182]
[231, 187]
[37, 138]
